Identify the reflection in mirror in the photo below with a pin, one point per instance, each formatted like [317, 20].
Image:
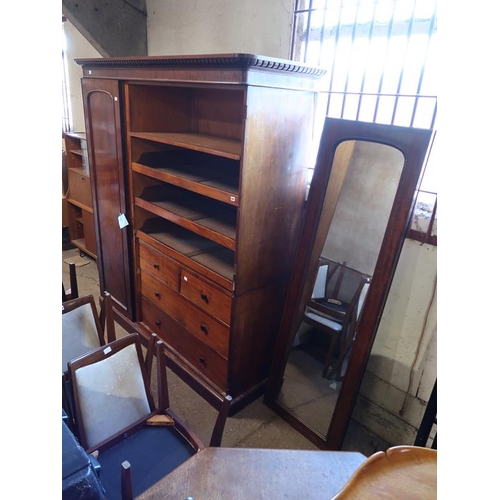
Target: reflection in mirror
[350, 235]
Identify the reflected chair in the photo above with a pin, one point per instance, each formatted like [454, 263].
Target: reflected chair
[72, 291]
[137, 442]
[334, 308]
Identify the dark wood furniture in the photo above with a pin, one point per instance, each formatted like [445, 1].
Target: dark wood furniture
[79, 194]
[72, 291]
[198, 165]
[429, 421]
[335, 309]
[395, 156]
[260, 474]
[84, 328]
[138, 442]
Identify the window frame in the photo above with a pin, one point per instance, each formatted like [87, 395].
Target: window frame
[302, 15]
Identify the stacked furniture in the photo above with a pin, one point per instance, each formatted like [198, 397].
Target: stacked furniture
[198, 165]
[79, 194]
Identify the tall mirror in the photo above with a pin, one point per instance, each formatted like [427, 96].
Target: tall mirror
[359, 207]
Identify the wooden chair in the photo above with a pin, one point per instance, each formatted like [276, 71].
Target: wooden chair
[401, 472]
[83, 329]
[137, 442]
[334, 309]
[72, 291]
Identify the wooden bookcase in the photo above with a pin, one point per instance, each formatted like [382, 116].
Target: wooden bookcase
[199, 165]
[79, 195]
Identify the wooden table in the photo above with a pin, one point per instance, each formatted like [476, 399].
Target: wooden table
[243, 473]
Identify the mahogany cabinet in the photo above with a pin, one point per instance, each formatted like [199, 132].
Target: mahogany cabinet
[199, 172]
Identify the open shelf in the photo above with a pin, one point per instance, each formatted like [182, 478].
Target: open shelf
[214, 177]
[205, 217]
[197, 248]
[219, 146]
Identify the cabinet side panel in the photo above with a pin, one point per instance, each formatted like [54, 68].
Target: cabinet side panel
[105, 157]
[256, 321]
[278, 133]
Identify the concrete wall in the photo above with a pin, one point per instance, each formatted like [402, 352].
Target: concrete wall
[224, 26]
[405, 347]
[76, 47]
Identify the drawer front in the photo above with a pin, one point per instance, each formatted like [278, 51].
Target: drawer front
[206, 296]
[201, 325]
[160, 266]
[79, 188]
[198, 354]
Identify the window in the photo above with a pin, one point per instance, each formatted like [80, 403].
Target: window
[66, 111]
[380, 57]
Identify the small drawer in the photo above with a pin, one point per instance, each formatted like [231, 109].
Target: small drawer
[198, 354]
[79, 188]
[206, 296]
[159, 265]
[200, 324]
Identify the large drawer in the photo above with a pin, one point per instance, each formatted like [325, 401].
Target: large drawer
[200, 324]
[79, 188]
[196, 352]
[159, 265]
[206, 296]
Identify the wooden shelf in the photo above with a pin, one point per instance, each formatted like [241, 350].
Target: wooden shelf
[193, 246]
[219, 146]
[80, 171]
[194, 179]
[201, 219]
[79, 205]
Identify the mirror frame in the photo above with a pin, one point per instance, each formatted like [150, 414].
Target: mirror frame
[414, 144]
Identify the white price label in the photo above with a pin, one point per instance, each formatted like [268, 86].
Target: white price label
[122, 221]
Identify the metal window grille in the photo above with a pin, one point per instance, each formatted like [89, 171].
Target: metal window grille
[380, 57]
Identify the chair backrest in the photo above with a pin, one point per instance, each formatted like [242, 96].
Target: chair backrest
[83, 328]
[110, 390]
[344, 283]
[338, 281]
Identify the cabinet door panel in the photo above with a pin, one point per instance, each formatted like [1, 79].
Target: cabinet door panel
[102, 112]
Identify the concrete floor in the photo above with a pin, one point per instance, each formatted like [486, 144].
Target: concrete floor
[256, 426]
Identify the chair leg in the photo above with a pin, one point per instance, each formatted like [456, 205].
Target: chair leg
[110, 318]
[73, 280]
[220, 423]
[126, 481]
[329, 355]
[161, 372]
